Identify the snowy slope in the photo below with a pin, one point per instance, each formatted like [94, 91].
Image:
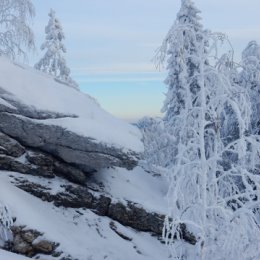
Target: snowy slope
[137, 186]
[80, 232]
[41, 92]
[4, 255]
[84, 235]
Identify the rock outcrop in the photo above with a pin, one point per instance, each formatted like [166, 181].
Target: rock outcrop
[39, 113]
[128, 214]
[50, 131]
[29, 242]
[17, 158]
[83, 152]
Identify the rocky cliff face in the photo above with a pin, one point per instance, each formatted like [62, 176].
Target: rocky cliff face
[67, 124]
[84, 152]
[81, 199]
[66, 173]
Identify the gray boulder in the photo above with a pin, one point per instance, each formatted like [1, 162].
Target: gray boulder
[10, 147]
[69, 125]
[86, 153]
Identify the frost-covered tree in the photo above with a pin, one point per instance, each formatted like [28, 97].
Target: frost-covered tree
[218, 204]
[6, 222]
[157, 149]
[15, 32]
[53, 61]
[250, 79]
[174, 103]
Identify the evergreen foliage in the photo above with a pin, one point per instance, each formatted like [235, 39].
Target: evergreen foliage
[214, 189]
[53, 61]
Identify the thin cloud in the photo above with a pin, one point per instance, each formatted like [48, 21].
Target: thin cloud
[116, 68]
[116, 80]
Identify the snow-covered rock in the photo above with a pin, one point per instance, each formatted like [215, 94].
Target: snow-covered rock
[80, 231]
[44, 114]
[50, 137]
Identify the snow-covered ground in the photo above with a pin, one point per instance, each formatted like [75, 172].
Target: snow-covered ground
[40, 91]
[4, 255]
[80, 232]
[137, 186]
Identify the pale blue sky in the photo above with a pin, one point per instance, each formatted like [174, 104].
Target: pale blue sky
[110, 44]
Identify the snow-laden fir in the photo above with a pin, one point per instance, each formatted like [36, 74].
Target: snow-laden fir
[214, 172]
[53, 61]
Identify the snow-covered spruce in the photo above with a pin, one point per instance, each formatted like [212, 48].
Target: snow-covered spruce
[53, 61]
[15, 32]
[216, 203]
[250, 79]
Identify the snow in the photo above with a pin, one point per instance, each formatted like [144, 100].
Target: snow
[84, 235]
[137, 186]
[4, 255]
[53, 60]
[46, 94]
[5, 103]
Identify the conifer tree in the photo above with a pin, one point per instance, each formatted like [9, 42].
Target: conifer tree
[250, 79]
[53, 61]
[214, 202]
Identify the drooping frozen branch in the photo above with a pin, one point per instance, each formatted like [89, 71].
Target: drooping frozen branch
[16, 35]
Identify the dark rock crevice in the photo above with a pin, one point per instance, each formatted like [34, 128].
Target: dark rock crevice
[39, 164]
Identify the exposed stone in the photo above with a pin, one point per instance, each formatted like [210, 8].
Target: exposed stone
[128, 214]
[21, 246]
[57, 254]
[48, 165]
[74, 198]
[10, 147]
[30, 235]
[68, 258]
[101, 205]
[40, 164]
[69, 172]
[31, 145]
[44, 247]
[8, 163]
[84, 152]
[35, 189]
[39, 171]
[40, 159]
[135, 216]
[27, 242]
